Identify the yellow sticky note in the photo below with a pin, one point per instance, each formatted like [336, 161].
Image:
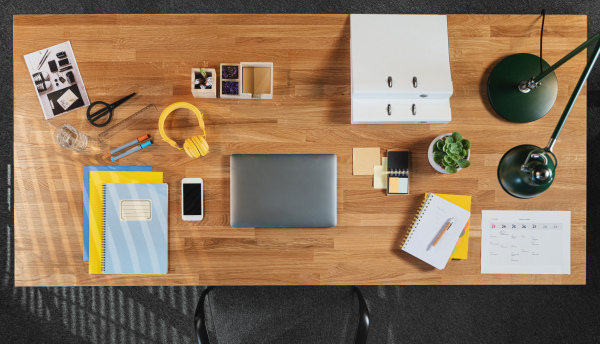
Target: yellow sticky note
[363, 160]
[379, 175]
[393, 186]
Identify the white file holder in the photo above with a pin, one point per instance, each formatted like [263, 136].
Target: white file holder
[400, 69]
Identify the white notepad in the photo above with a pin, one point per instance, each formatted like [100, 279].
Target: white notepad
[67, 99]
[435, 212]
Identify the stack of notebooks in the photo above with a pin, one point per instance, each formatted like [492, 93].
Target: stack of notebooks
[430, 223]
[125, 222]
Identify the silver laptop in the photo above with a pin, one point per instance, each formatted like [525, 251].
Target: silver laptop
[283, 190]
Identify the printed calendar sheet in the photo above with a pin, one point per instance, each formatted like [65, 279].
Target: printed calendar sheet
[525, 242]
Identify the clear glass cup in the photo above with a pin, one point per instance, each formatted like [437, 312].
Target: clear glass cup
[68, 137]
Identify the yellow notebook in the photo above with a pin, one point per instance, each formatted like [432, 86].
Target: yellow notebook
[462, 246]
[97, 180]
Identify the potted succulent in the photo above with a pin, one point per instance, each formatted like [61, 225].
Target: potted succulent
[449, 153]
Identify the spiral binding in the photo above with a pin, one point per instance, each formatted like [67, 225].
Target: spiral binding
[102, 255]
[398, 172]
[417, 218]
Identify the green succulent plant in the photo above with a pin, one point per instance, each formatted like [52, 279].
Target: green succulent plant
[451, 152]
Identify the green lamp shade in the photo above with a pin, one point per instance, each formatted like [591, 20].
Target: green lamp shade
[519, 183]
[504, 94]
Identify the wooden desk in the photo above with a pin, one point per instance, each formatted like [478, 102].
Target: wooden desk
[310, 113]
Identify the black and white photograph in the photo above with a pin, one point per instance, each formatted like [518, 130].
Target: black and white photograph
[56, 78]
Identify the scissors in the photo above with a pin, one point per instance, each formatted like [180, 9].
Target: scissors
[106, 109]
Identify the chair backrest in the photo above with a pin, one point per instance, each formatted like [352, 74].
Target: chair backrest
[282, 315]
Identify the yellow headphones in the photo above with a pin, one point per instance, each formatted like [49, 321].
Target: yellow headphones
[195, 146]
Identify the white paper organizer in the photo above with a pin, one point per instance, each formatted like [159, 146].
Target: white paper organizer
[400, 69]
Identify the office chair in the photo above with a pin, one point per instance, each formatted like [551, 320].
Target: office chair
[228, 315]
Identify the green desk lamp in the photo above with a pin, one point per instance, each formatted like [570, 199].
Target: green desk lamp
[526, 171]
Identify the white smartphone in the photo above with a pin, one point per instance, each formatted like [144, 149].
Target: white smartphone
[192, 199]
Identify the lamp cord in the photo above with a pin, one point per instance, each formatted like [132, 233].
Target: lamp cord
[541, 37]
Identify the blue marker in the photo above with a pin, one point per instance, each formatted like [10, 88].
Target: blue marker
[128, 144]
[132, 150]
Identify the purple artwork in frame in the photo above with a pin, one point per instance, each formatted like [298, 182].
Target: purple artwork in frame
[230, 87]
[229, 72]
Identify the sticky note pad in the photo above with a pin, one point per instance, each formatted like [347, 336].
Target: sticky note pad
[363, 160]
[262, 80]
[257, 80]
[379, 175]
[398, 185]
[248, 84]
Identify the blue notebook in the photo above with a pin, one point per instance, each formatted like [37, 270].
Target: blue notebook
[86, 198]
[135, 235]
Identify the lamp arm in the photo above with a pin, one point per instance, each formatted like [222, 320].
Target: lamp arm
[574, 95]
[567, 57]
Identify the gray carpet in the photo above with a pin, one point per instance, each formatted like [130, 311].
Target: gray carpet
[541, 314]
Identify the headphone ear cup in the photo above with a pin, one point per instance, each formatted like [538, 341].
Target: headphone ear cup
[196, 146]
[203, 146]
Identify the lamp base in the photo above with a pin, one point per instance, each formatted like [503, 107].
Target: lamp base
[512, 104]
[514, 180]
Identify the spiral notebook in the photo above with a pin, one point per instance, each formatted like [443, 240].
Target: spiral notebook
[135, 236]
[434, 214]
[97, 181]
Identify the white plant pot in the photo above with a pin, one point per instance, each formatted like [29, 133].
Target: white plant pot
[205, 93]
[430, 155]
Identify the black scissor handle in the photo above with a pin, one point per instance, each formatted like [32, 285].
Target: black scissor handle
[95, 116]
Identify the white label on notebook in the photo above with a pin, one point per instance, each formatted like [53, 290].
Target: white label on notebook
[136, 210]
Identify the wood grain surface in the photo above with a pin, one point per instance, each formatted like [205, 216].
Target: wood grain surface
[310, 113]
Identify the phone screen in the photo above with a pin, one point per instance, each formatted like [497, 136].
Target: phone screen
[192, 199]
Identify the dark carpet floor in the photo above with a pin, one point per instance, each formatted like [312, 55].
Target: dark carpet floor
[400, 314]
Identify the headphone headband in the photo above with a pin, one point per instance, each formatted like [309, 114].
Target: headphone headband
[195, 146]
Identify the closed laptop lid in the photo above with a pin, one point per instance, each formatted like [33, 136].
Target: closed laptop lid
[283, 190]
